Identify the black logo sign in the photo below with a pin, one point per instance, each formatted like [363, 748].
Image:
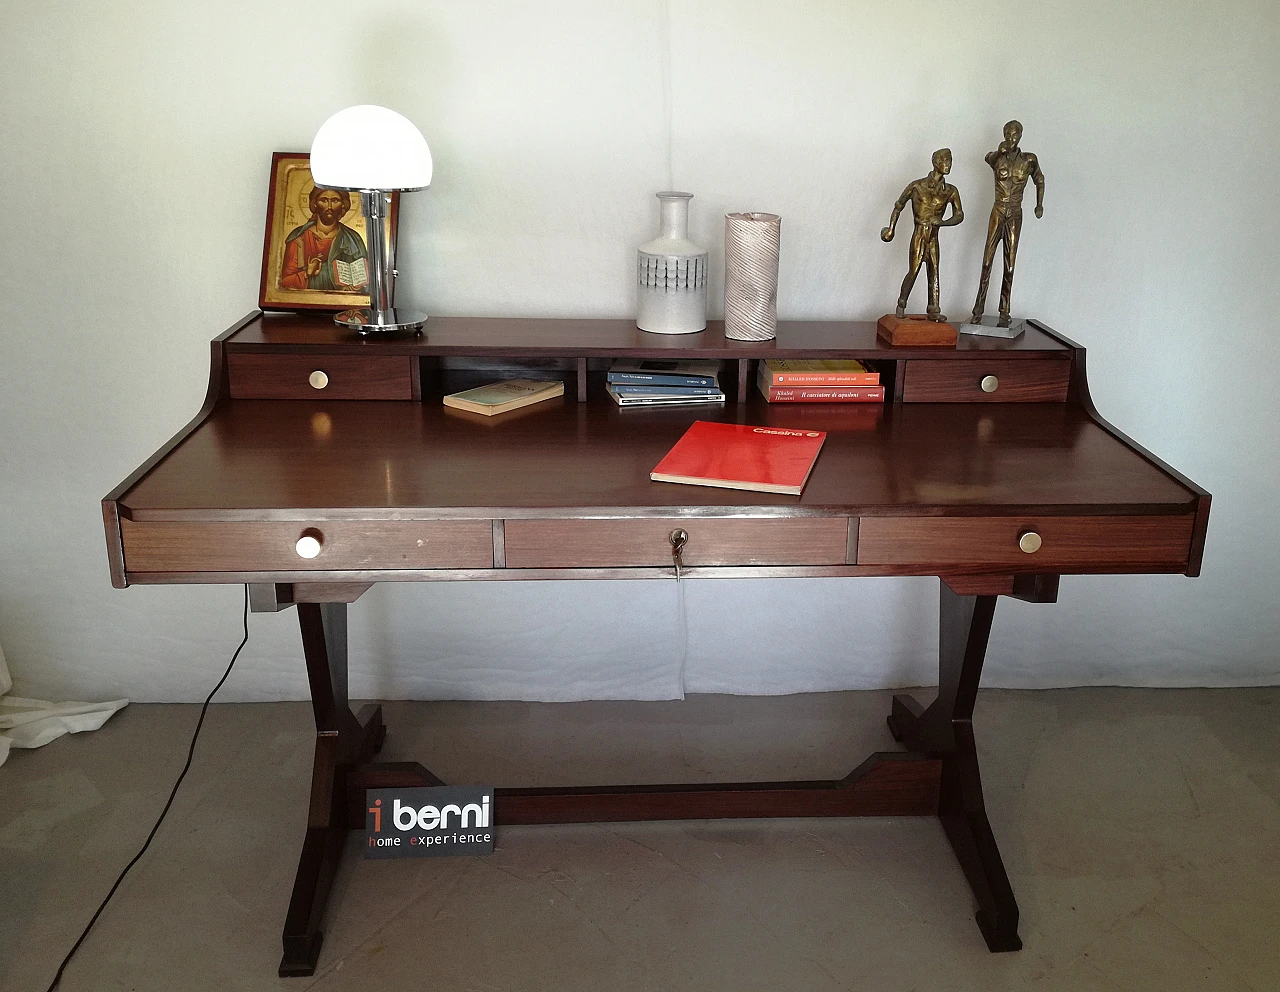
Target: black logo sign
[427, 822]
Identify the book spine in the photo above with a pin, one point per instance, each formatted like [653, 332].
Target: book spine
[643, 378]
[825, 378]
[848, 394]
[653, 388]
[667, 401]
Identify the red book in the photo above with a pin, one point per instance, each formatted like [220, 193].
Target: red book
[741, 456]
[816, 372]
[825, 394]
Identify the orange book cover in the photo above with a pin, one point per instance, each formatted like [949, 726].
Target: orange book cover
[741, 456]
[817, 371]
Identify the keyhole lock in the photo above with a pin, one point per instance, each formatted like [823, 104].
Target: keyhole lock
[679, 538]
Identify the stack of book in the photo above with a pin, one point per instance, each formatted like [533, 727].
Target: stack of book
[790, 380]
[653, 382]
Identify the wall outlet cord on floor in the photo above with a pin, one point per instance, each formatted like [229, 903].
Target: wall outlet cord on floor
[164, 812]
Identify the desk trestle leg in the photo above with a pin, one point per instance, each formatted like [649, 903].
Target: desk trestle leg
[343, 740]
[945, 730]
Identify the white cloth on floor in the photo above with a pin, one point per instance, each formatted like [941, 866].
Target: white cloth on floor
[34, 723]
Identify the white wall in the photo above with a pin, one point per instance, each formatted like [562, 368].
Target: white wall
[135, 146]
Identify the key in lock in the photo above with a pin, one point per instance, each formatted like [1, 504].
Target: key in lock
[679, 538]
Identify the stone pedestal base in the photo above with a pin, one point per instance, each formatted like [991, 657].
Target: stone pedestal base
[989, 327]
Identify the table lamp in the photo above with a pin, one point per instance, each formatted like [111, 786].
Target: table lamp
[373, 151]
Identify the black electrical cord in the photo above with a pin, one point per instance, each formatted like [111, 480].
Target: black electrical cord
[164, 812]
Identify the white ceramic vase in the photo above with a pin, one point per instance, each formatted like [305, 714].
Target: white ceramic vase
[672, 274]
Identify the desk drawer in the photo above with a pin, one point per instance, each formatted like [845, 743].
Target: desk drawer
[978, 381]
[1065, 542]
[272, 545]
[310, 377]
[712, 541]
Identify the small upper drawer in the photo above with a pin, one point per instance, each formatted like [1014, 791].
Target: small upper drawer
[334, 377]
[1036, 380]
[712, 541]
[1025, 544]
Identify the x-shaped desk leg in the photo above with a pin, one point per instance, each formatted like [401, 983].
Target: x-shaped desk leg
[945, 730]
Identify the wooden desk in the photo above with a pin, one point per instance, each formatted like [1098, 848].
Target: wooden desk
[945, 479]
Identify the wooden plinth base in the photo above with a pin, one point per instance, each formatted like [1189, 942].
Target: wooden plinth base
[915, 330]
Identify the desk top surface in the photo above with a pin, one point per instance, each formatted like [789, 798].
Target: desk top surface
[253, 458]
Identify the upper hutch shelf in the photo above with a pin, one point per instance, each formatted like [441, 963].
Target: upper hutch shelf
[553, 337]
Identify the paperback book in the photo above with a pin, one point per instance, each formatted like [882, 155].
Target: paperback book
[675, 398]
[817, 372]
[651, 390]
[663, 372]
[819, 393]
[499, 397]
[741, 456]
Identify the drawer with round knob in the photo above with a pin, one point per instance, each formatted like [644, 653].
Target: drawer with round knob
[1026, 544]
[333, 377]
[292, 545]
[1033, 380]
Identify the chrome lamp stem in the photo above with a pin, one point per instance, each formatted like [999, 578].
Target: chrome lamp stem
[381, 317]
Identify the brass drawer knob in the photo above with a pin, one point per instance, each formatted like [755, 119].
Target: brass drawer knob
[309, 544]
[1030, 542]
[319, 380]
[989, 383]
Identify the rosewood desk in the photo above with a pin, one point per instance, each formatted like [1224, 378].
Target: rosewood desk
[322, 463]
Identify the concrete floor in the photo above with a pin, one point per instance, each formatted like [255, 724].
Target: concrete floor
[1140, 829]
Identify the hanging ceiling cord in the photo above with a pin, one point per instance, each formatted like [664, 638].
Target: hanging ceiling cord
[164, 812]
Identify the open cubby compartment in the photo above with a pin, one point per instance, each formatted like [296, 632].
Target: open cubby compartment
[584, 378]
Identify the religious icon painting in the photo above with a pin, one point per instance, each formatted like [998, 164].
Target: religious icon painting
[314, 254]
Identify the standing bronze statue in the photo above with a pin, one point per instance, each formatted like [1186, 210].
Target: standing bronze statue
[929, 198]
[1013, 167]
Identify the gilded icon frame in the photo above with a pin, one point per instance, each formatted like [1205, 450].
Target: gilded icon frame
[289, 210]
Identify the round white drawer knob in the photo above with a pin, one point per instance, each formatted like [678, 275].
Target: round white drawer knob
[308, 546]
[1030, 542]
[989, 383]
[319, 380]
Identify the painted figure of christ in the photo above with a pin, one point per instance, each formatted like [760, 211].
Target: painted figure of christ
[321, 251]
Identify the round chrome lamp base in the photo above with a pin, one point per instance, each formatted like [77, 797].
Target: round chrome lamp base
[392, 322]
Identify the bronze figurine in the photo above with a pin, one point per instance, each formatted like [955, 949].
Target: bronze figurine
[1012, 167]
[929, 198]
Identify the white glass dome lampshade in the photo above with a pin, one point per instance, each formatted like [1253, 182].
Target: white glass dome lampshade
[368, 147]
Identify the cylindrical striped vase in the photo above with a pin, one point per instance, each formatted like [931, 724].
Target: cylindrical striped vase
[751, 242]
